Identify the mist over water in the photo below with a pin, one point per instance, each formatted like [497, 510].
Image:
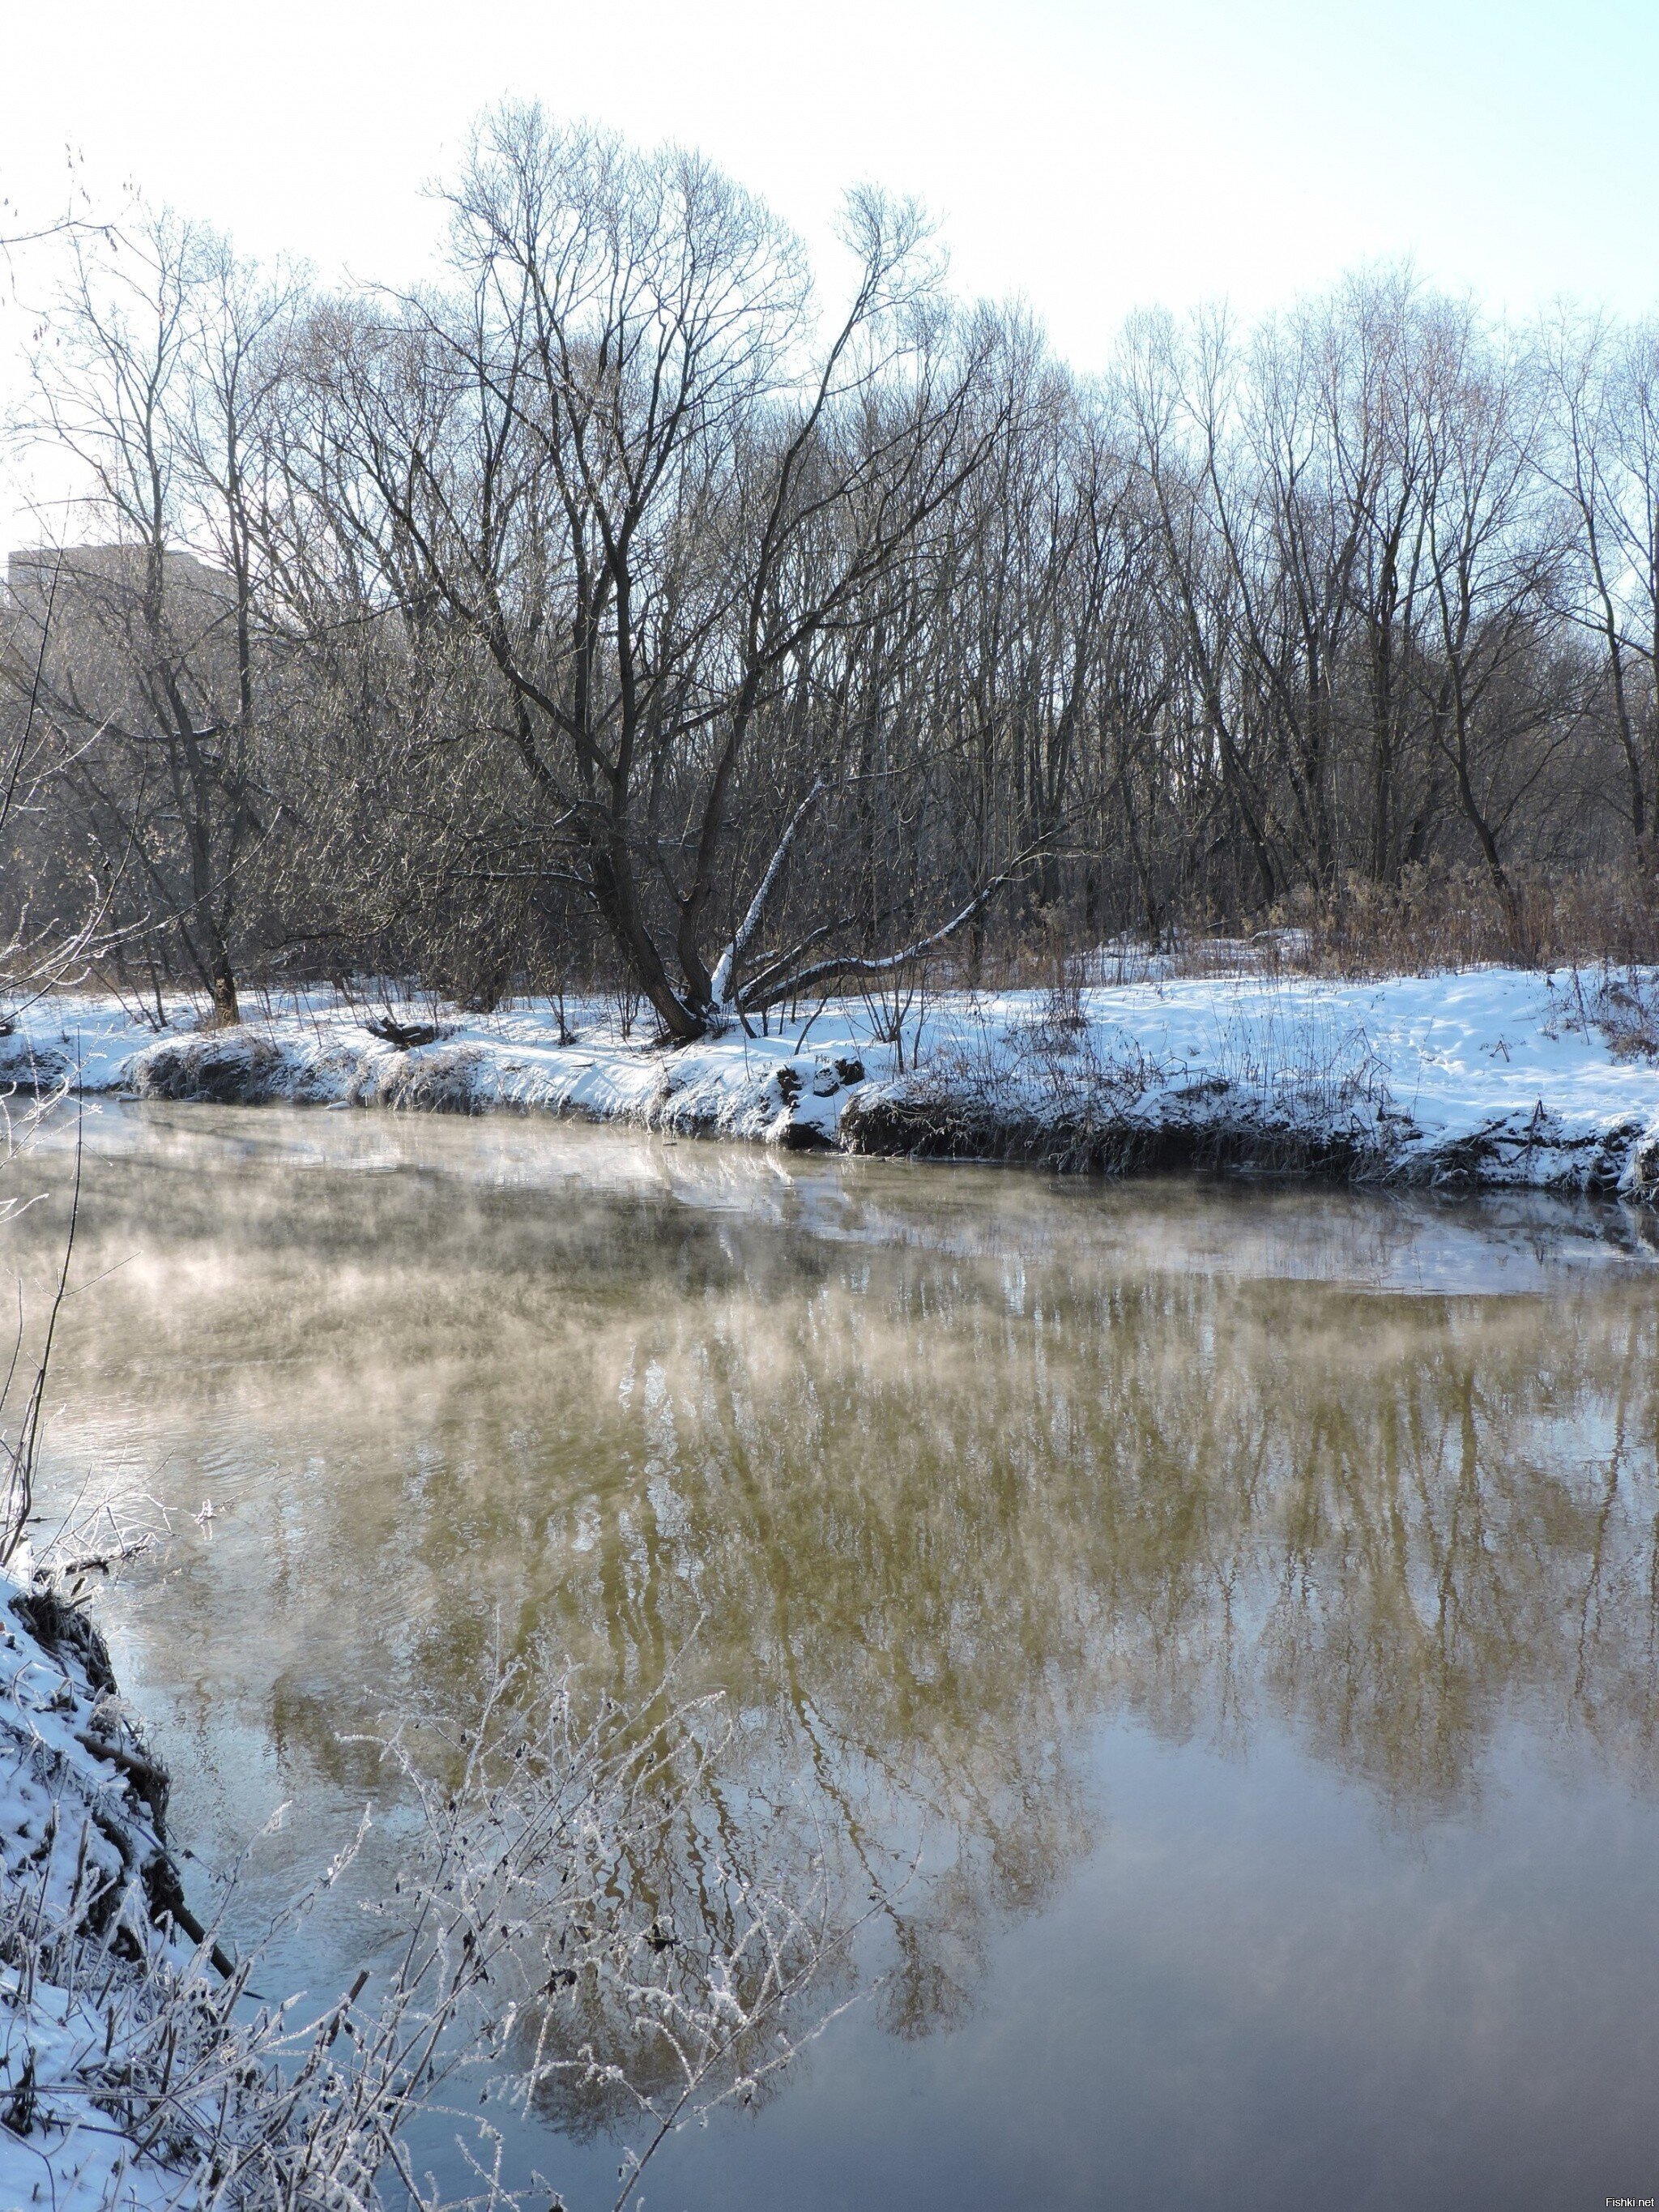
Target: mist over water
[1243, 1602]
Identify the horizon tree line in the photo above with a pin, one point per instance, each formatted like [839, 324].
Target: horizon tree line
[613, 608]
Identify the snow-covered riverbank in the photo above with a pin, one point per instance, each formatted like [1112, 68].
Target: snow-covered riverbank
[89, 1900]
[1493, 1078]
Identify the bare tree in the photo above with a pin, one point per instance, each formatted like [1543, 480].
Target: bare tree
[1604, 458]
[616, 463]
[151, 381]
[612, 611]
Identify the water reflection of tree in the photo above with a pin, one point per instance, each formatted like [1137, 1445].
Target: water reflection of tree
[929, 1511]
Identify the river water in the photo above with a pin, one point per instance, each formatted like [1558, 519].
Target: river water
[1242, 1603]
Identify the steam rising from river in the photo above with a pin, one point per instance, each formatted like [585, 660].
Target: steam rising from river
[934, 1473]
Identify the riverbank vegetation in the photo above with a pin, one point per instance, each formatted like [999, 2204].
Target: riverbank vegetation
[631, 609]
[142, 2068]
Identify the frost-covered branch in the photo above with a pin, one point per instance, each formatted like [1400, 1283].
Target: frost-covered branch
[524, 1939]
[723, 983]
[842, 967]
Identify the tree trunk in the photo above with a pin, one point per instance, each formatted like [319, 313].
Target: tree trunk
[227, 1012]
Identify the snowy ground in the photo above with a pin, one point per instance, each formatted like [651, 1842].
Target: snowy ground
[1494, 1078]
[82, 1875]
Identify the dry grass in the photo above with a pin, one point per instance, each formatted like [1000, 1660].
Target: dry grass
[1435, 920]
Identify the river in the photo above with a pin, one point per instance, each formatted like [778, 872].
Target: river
[1239, 1602]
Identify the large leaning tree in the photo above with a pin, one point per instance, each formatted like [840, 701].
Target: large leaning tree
[619, 459]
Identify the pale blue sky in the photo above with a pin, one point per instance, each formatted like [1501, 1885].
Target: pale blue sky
[1089, 154]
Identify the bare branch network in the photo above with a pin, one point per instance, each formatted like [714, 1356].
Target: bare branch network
[618, 610]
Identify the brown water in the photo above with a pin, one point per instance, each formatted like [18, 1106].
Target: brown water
[1245, 1600]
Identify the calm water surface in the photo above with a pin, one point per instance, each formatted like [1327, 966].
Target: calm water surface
[1246, 1602]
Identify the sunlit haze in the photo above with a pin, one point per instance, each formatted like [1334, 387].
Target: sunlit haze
[1087, 155]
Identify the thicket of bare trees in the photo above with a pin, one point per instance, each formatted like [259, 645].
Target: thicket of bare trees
[614, 608]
